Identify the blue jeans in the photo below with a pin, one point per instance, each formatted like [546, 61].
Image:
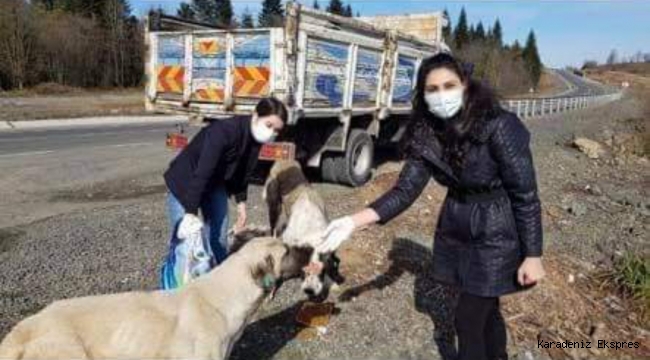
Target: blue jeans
[214, 208]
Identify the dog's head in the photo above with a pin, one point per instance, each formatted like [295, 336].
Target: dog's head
[281, 263]
[318, 272]
[272, 261]
[320, 275]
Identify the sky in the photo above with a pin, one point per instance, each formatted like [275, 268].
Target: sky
[568, 32]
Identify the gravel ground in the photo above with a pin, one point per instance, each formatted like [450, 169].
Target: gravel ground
[389, 307]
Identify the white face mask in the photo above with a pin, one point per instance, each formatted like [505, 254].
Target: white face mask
[262, 133]
[444, 104]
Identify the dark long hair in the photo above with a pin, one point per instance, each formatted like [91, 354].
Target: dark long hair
[456, 134]
[271, 106]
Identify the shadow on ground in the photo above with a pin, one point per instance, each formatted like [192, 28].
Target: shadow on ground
[432, 298]
[266, 337]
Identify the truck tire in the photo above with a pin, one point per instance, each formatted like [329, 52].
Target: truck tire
[328, 167]
[354, 167]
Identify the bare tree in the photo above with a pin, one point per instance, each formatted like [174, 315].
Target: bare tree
[16, 39]
[114, 12]
[70, 49]
[502, 69]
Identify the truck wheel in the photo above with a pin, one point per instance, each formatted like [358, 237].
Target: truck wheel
[355, 166]
[328, 167]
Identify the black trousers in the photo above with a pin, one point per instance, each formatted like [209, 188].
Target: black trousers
[480, 328]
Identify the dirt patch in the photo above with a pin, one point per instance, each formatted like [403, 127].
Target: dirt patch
[109, 191]
[571, 306]
[8, 238]
[51, 88]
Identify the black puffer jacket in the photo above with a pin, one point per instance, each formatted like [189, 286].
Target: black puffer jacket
[491, 217]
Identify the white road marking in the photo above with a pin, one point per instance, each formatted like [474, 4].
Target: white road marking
[83, 135]
[45, 152]
[28, 153]
[130, 144]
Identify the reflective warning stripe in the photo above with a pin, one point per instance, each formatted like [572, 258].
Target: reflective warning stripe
[251, 80]
[170, 78]
[209, 94]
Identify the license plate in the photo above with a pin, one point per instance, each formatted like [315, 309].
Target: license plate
[278, 151]
[176, 141]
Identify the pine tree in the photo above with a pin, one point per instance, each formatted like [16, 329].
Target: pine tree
[216, 12]
[316, 5]
[472, 33]
[516, 48]
[497, 33]
[359, 14]
[480, 31]
[224, 13]
[336, 7]
[532, 59]
[88, 8]
[348, 11]
[205, 11]
[185, 11]
[446, 31]
[247, 19]
[461, 34]
[272, 14]
[613, 57]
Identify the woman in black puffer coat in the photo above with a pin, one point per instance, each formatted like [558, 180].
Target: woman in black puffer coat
[488, 240]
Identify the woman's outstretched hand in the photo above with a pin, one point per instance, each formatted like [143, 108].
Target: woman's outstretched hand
[531, 271]
[336, 233]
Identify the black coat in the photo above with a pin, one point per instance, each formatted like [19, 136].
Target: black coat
[223, 153]
[491, 217]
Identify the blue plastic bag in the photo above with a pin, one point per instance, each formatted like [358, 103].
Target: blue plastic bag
[186, 260]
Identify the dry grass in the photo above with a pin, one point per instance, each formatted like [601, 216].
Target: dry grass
[51, 101]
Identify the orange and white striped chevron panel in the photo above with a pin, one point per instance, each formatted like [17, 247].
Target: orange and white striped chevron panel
[209, 94]
[170, 78]
[251, 81]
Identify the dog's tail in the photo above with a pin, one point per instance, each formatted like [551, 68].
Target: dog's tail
[12, 347]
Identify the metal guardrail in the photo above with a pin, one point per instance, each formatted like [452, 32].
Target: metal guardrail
[527, 108]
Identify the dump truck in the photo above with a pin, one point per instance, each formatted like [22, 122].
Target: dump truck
[347, 82]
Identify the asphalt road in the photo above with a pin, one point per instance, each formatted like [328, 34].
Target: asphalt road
[22, 143]
[579, 85]
[47, 172]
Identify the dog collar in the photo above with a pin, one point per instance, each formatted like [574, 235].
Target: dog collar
[268, 282]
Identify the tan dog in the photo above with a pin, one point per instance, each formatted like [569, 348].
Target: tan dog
[200, 321]
[298, 215]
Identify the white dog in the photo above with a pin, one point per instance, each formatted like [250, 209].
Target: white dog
[297, 214]
[199, 321]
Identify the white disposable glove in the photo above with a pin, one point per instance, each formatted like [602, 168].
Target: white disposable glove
[336, 233]
[189, 226]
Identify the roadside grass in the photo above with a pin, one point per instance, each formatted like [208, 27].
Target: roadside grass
[630, 277]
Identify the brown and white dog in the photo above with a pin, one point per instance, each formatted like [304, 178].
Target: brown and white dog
[298, 215]
[199, 321]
